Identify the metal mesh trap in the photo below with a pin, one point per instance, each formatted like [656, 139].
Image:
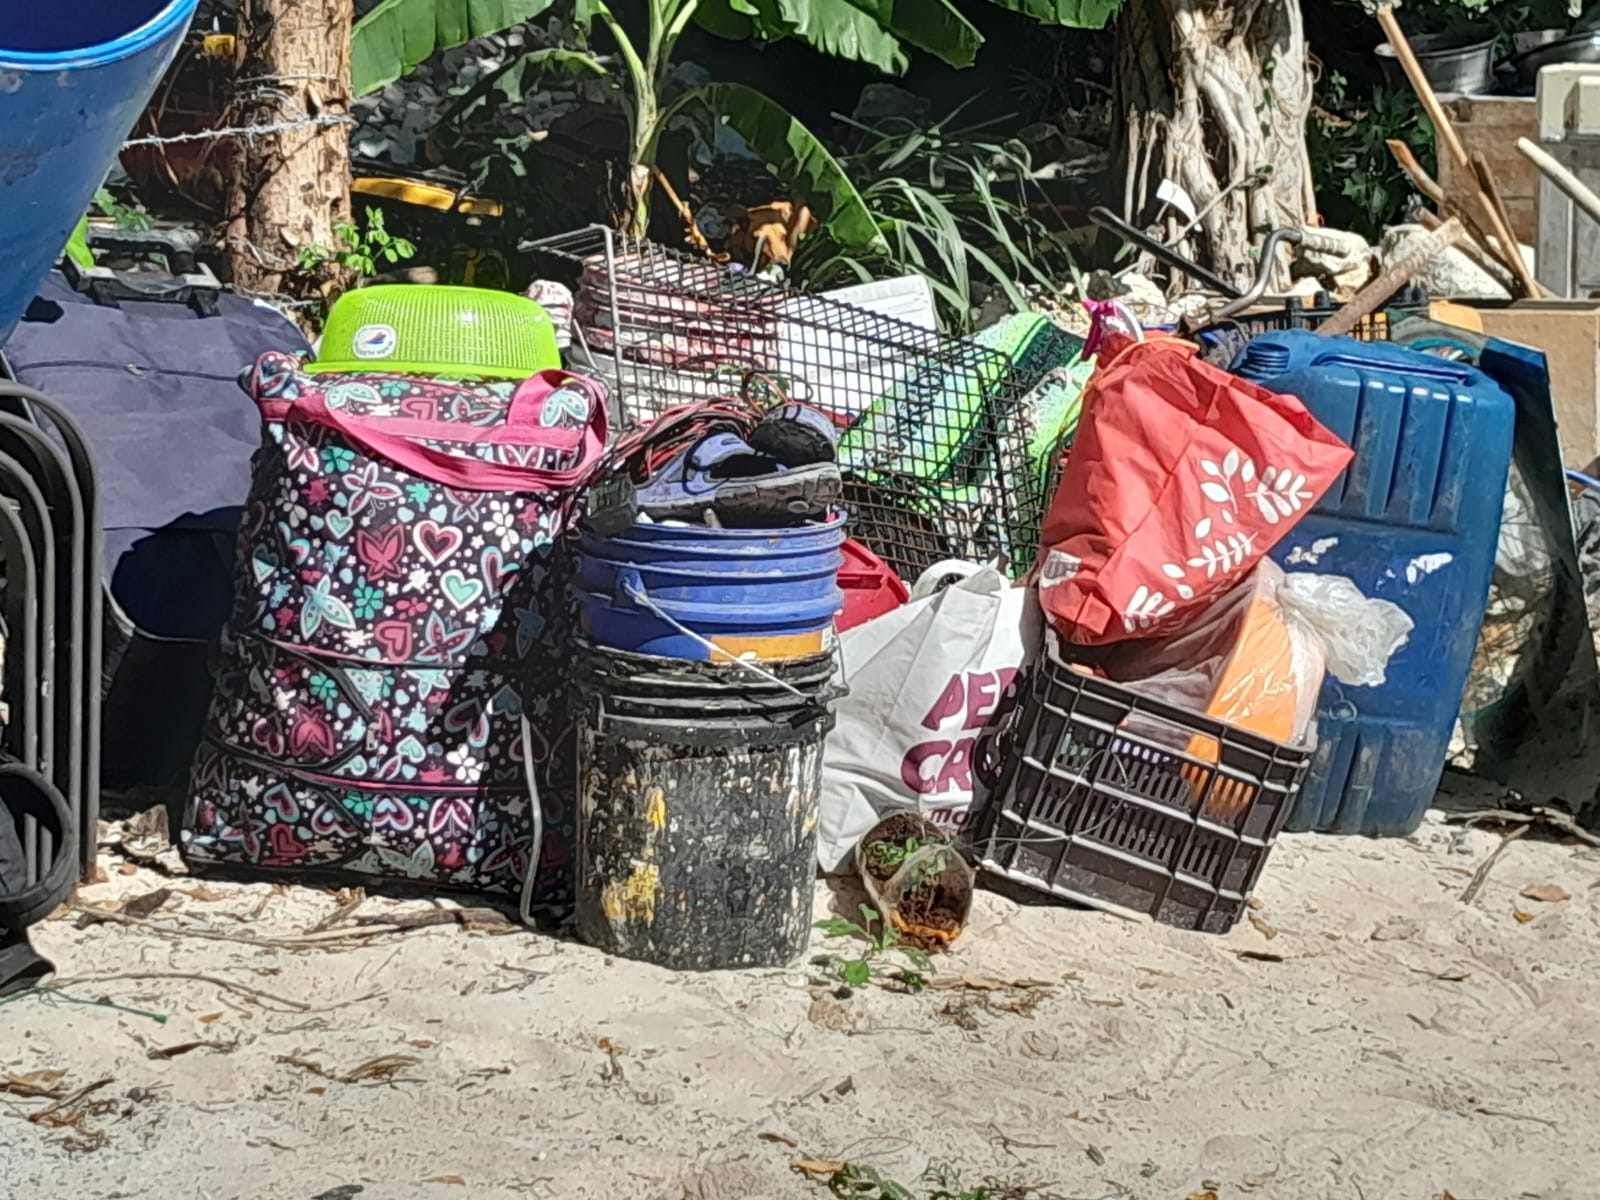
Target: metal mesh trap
[934, 438]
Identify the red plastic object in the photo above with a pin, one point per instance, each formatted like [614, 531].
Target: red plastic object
[1181, 478]
[870, 586]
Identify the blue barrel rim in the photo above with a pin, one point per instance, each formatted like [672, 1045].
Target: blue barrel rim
[700, 617]
[692, 548]
[654, 530]
[759, 581]
[160, 26]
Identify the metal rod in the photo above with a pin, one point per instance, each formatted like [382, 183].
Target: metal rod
[1109, 220]
[1258, 289]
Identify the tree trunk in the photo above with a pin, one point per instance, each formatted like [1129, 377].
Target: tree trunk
[290, 188]
[1215, 95]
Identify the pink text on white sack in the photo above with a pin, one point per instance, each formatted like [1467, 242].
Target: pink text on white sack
[941, 766]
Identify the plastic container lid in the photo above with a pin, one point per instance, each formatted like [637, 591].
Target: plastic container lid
[415, 329]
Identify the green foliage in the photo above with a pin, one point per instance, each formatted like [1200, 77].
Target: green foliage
[1359, 185]
[904, 225]
[1078, 14]
[363, 251]
[791, 151]
[950, 205]
[857, 1181]
[872, 963]
[397, 35]
[878, 32]
[126, 216]
[891, 856]
[1500, 17]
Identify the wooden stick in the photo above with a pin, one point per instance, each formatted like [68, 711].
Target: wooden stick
[1570, 184]
[1450, 141]
[1448, 137]
[1481, 875]
[1431, 191]
[1496, 269]
[1420, 251]
[1489, 192]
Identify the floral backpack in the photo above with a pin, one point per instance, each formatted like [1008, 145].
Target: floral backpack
[388, 702]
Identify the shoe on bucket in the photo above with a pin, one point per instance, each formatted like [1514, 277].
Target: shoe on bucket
[745, 489]
[797, 435]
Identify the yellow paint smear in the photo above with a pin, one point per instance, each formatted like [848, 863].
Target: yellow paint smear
[655, 809]
[634, 899]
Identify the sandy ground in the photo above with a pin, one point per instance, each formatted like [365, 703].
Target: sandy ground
[1367, 1034]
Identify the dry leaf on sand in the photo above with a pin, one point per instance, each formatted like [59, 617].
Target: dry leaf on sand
[1545, 893]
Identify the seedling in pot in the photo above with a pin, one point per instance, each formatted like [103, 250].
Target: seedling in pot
[871, 965]
[913, 874]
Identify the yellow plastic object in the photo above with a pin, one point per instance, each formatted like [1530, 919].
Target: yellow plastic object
[770, 649]
[427, 195]
[413, 329]
[1462, 316]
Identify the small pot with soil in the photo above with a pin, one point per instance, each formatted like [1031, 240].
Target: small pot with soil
[916, 879]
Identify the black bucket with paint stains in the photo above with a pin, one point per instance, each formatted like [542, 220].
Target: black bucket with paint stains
[699, 786]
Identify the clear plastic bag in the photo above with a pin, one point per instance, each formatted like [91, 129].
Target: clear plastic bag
[1359, 634]
[1258, 657]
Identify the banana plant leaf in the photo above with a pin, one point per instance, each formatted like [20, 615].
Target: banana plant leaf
[398, 35]
[792, 152]
[1078, 14]
[875, 32]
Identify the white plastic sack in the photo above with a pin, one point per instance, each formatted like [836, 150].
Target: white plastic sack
[1359, 633]
[924, 681]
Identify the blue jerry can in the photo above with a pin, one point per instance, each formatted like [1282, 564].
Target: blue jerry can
[1414, 519]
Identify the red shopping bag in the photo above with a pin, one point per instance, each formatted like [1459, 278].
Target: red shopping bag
[1181, 478]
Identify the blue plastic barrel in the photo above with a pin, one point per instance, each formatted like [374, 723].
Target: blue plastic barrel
[74, 77]
[668, 590]
[1414, 519]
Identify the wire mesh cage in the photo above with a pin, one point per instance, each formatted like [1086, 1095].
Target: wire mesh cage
[935, 438]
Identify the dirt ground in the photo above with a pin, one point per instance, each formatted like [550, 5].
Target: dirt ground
[1366, 1034]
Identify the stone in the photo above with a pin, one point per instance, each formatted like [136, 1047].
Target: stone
[1452, 273]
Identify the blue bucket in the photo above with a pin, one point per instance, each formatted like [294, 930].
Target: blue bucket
[692, 592]
[74, 77]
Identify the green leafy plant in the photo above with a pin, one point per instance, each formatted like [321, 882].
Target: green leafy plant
[1502, 18]
[950, 204]
[126, 216]
[873, 33]
[359, 250]
[398, 35]
[858, 1181]
[894, 855]
[1360, 185]
[873, 963]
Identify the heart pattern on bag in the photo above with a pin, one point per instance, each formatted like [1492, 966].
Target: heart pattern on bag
[368, 714]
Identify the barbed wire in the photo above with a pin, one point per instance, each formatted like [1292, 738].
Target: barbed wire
[247, 132]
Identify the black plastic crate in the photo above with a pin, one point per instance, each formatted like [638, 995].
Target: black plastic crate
[1304, 313]
[1103, 800]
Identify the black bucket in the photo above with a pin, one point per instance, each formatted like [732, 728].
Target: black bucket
[699, 786]
[1452, 63]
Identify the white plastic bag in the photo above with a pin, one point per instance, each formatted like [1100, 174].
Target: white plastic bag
[924, 682]
[1359, 634]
